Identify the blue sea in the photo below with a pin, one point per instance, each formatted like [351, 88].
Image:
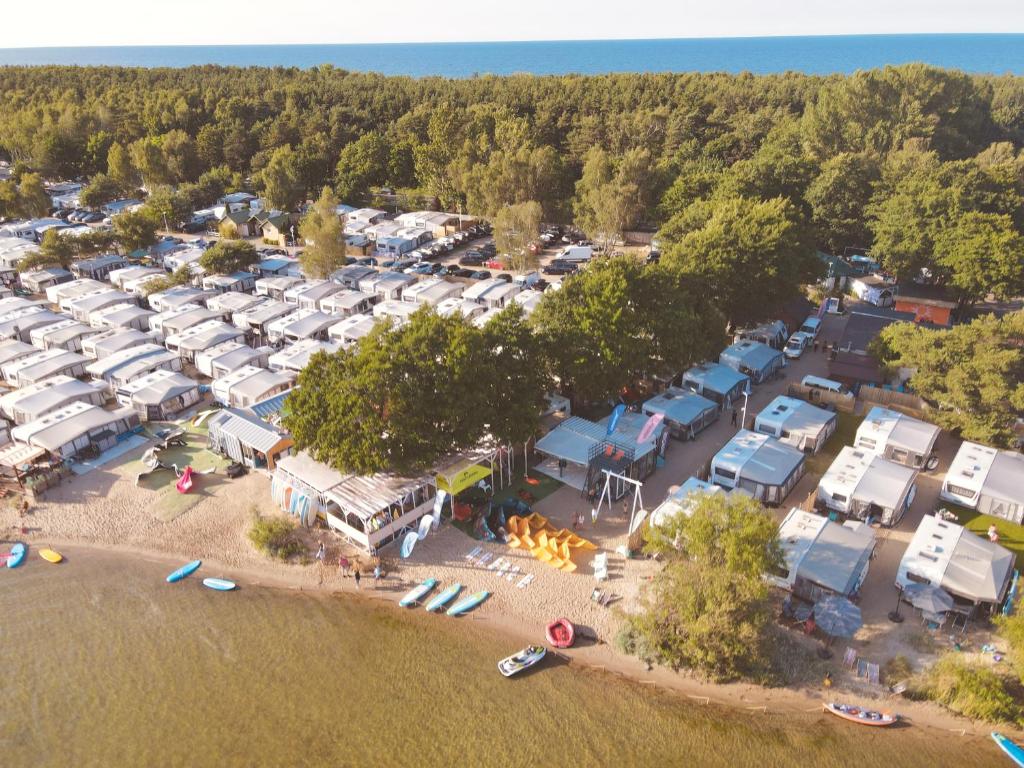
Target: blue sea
[988, 53]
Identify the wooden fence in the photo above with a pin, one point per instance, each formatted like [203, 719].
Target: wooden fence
[911, 405]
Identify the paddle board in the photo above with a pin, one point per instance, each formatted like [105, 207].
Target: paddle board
[16, 556]
[50, 555]
[444, 598]
[222, 585]
[467, 604]
[416, 594]
[185, 570]
[1012, 750]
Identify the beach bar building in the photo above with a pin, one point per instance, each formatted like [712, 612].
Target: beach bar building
[758, 361]
[988, 480]
[369, 512]
[36, 400]
[760, 465]
[159, 395]
[797, 423]
[897, 437]
[862, 485]
[974, 570]
[822, 557]
[222, 359]
[686, 413]
[247, 439]
[76, 427]
[718, 383]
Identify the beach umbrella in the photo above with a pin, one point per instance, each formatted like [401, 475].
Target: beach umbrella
[837, 616]
[928, 597]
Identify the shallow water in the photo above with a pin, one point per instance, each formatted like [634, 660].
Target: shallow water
[105, 664]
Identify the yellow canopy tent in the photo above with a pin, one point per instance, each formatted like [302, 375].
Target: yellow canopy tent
[460, 477]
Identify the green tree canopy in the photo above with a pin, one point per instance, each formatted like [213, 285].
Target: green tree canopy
[100, 190]
[752, 255]
[973, 373]
[34, 199]
[282, 180]
[322, 230]
[228, 256]
[982, 253]
[135, 229]
[516, 227]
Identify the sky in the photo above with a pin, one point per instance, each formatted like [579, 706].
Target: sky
[209, 22]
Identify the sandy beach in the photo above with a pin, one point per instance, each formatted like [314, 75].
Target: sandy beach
[103, 513]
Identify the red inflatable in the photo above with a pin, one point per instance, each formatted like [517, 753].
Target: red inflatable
[561, 633]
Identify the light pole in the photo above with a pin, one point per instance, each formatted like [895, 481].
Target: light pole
[894, 616]
[746, 395]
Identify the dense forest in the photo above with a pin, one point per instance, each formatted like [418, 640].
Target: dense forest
[742, 175]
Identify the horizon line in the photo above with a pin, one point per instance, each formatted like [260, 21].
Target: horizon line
[506, 42]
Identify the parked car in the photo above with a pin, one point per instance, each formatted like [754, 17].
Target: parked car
[192, 227]
[367, 261]
[481, 274]
[556, 268]
[796, 345]
[504, 276]
[488, 249]
[471, 261]
[92, 218]
[461, 272]
[388, 264]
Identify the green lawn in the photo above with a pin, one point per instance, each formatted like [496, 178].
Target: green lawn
[545, 487]
[846, 431]
[1011, 535]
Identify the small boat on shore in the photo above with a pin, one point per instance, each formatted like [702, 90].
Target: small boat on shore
[186, 570]
[51, 555]
[417, 593]
[467, 604]
[561, 633]
[862, 715]
[524, 659]
[16, 556]
[444, 598]
[221, 585]
[1011, 749]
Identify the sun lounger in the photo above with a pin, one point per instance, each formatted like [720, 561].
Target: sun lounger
[474, 552]
[601, 566]
[510, 576]
[525, 581]
[850, 658]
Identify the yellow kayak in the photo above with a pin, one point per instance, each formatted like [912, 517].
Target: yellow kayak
[50, 556]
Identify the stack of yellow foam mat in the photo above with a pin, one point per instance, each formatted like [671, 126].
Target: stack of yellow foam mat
[536, 535]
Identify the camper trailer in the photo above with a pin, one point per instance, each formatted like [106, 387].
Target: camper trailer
[222, 359]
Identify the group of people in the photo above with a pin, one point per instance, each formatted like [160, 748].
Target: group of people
[346, 567]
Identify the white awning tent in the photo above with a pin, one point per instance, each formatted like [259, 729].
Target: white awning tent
[758, 464]
[73, 428]
[229, 356]
[823, 557]
[159, 395]
[296, 356]
[962, 563]
[797, 423]
[896, 436]
[116, 339]
[202, 336]
[861, 484]
[988, 480]
[36, 400]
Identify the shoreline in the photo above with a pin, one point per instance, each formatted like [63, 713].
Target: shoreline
[597, 656]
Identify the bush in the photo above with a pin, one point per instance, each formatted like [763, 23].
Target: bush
[274, 536]
[968, 689]
[896, 669]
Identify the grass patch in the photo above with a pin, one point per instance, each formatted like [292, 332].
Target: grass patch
[969, 689]
[274, 536]
[922, 642]
[1011, 535]
[895, 669]
[845, 434]
[545, 487]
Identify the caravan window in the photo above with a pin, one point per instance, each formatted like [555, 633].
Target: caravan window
[838, 497]
[917, 579]
[960, 491]
[725, 473]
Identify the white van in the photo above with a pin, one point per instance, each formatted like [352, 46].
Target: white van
[811, 326]
[816, 382]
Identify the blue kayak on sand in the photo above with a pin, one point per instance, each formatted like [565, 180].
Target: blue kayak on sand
[16, 556]
[444, 598]
[1013, 751]
[185, 570]
[417, 593]
[467, 604]
[221, 585]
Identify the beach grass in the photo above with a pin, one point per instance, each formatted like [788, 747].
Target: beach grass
[1011, 535]
[846, 432]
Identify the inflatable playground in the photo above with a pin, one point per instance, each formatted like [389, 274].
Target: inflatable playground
[536, 535]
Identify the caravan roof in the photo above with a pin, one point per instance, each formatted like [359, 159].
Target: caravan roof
[59, 428]
[156, 388]
[114, 340]
[679, 405]
[883, 427]
[56, 294]
[177, 296]
[203, 336]
[759, 458]
[233, 301]
[715, 377]
[868, 478]
[106, 365]
[296, 356]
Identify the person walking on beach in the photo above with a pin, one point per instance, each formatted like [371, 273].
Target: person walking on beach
[377, 573]
[358, 577]
[321, 551]
[344, 566]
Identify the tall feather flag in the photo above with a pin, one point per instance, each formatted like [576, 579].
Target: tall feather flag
[648, 431]
[613, 420]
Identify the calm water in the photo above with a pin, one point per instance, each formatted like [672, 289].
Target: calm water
[815, 55]
[104, 664]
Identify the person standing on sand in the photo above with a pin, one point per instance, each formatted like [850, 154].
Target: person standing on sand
[321, 551]
[734, 416]
[358, 577]
[343, 566]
